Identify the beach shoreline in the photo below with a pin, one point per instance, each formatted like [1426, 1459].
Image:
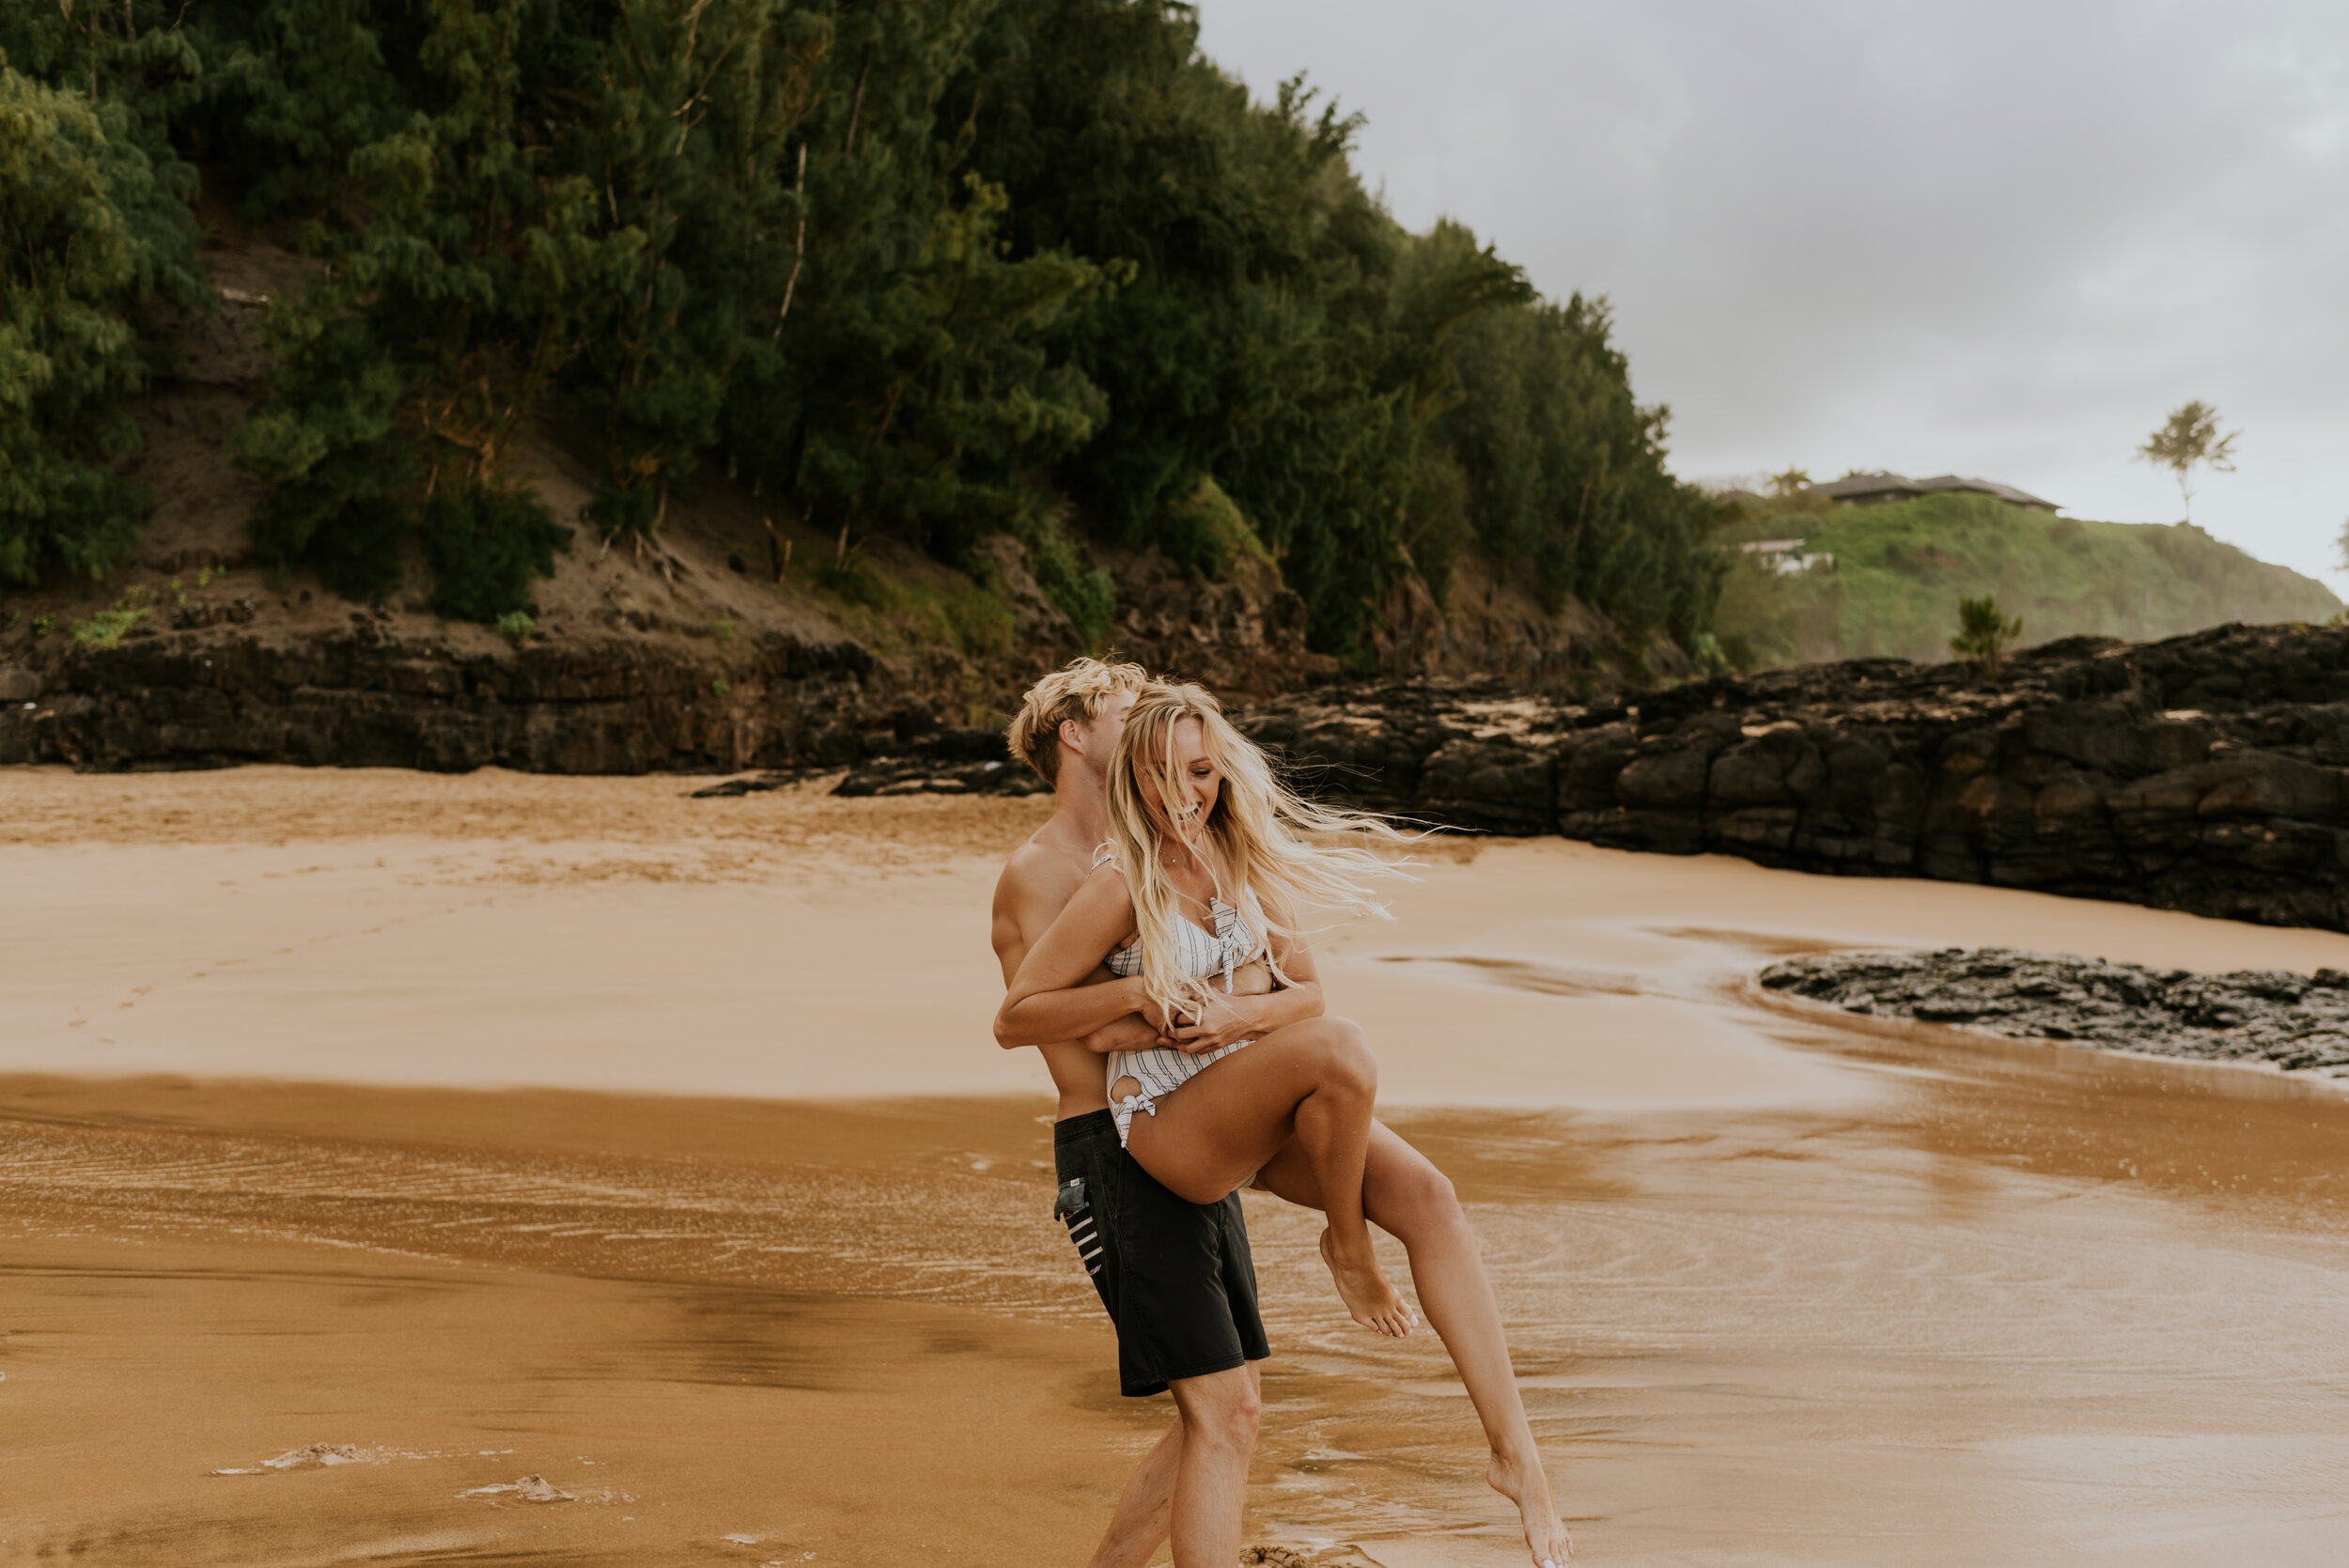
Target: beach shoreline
[531, 1139]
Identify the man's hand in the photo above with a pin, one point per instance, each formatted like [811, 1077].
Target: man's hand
[1130, 1032]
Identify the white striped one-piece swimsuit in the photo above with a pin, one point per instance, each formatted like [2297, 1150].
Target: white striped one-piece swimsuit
[1163, 1069]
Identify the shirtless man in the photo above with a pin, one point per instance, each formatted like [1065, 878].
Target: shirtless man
[1177, 1277]
[1132, 1231]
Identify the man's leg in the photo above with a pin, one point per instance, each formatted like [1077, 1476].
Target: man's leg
[1144, 1508]
[1406, 1197]
[1084, 1149]
[1219, 1413]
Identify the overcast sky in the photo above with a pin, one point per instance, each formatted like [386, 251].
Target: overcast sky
[1973, 237]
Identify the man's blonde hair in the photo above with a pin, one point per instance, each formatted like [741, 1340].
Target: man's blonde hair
[1077, 690]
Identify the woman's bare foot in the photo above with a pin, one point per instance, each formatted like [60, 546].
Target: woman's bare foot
[1367, 1295]
[1525, 1484]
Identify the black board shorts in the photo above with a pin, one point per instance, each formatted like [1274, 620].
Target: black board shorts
[1177, 1277]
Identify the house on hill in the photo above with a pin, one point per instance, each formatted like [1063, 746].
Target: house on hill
[1873, 490]
[1787, 557]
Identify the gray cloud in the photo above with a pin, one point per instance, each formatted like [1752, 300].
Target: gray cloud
[1996, 238]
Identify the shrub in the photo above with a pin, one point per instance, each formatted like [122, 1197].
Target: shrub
[105, 629]
[485, 545]
[1984, 630]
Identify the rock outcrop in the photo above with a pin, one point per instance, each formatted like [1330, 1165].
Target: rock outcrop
[361, 699]
[2204, 773]
[2295, 1021]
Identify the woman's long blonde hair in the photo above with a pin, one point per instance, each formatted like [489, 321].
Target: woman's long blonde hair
[1252, 843]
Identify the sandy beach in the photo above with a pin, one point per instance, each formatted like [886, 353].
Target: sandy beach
[397, 1167]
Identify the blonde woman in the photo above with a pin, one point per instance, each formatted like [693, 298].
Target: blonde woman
[1207, 867]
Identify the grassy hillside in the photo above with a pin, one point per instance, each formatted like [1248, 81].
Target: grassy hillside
[1900, 571]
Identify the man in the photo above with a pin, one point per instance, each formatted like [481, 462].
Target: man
[1177, 1277]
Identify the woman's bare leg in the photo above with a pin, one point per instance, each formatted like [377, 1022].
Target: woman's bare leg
[1312, 1084]
[1405, 1196]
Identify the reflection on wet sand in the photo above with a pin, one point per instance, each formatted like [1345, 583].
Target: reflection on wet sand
[1786, 1285]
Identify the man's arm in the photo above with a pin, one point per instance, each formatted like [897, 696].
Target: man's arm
[1048, 999]
[1035, 886]
[1135, 1032]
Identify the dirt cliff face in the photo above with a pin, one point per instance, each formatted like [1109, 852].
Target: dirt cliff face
[676, 662]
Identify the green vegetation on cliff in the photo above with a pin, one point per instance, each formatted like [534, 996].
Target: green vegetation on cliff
[941, 269]
[1901, 569]
[93, 229]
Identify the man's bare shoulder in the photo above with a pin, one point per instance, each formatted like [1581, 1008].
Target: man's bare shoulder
[1038, 882]
[1037, 871]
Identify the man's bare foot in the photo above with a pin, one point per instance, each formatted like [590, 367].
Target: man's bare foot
[1368, 1298]
[1525, 1484]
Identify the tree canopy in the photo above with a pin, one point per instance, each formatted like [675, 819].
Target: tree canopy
[941, 268]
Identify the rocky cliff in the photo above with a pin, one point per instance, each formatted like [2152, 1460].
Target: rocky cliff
[2204, 773]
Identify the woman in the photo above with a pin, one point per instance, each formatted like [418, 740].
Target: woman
[1209, 870]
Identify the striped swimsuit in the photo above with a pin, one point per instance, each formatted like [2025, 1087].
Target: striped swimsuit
[1163, 1069]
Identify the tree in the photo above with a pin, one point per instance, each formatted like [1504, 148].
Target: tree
[2190, 438]
[95, 228]
[405, 371]
[1984, 630]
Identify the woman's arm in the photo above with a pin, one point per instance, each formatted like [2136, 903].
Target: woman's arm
[1048, 1000]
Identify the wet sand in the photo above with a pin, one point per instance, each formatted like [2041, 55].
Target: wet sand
[502, 1127]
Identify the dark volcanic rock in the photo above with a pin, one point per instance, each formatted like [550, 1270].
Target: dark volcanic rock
[2201, 773]
[2295, 1021]
[944, 762]
[362, 699]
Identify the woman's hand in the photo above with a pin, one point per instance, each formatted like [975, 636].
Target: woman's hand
[1222, 1020]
